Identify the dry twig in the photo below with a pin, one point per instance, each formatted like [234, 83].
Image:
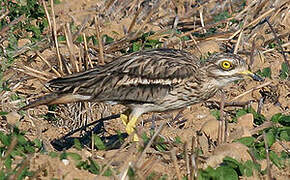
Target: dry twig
[251, 90]
[54, 34]
[174, 159]
[269, 174]
[70, 44]
[140, 158]
[188, 170]
[100, 42]
[47, 15]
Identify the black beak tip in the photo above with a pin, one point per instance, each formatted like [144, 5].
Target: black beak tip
[257, 78]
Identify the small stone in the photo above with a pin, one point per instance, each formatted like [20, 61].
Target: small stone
[23, 42]
[13, 117]
[246, 121]
[235, 150]
[209, 47]
[210, 128]
[65, 162]
[206, 47]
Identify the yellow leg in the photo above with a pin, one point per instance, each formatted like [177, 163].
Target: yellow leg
[130, 127]
[125, 117]
[130, 124]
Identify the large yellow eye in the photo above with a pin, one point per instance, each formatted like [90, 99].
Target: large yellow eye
[226, 65]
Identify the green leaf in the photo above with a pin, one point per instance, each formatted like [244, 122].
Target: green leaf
[270, 138]
[29, 149]
[285, 120]
[2, 175]
[56, 1]
[152, 176]
[231, 162]
[240, 113]
[37, 143]
[185, 38]
[94, 39]
[285, 134]
[63, 155]
[247, 141]
[131, 173]
[221, 16]
[94, 167]
[17, 152]
[258, 118]
[35, 30]
[164, 177]
[4, 139]
[80, 39]
[108, 172]
[272, 45]
[3, 113]
[145, 138]
[216, 114]
[147, 34]
[266, 72]
[8, 162]
[227, 173]
[178, 140]
[284, 67]
[98, 142]
[239, 167]
[53, 154]
[284, 73]
[249, 167]
[82, 164]
[275, 118]
[136, 46]
[208, 173]
[184, 178]
[259, 150]
[275, 159]
[120, 137]
[284, 155]
[21, 140]
[161, 146]
[24, 173]
[61, 38]
[77, 144]
[282, 119]
[74, 156]
[108, 39]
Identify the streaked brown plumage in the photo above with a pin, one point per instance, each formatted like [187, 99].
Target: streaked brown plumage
[148, 81]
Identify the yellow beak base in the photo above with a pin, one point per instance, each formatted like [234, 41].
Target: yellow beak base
[252, 75]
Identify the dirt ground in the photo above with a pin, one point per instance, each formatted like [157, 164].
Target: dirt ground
[184, 123]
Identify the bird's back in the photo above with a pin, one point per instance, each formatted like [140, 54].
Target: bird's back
[141, 76]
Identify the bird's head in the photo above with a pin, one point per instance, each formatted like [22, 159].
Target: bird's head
[226, 68]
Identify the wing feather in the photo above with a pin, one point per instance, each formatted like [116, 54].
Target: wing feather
[141, 76]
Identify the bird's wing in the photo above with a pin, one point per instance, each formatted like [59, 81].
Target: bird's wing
[141, 77]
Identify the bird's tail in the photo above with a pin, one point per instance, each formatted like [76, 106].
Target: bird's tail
[56, 98]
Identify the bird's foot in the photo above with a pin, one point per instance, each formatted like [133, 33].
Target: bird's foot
[125, 117]
[130, 128]
[135, 138]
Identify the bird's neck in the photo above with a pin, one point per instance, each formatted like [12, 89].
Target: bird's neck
[211, 87]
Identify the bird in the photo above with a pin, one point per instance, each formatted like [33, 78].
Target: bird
[155, 80]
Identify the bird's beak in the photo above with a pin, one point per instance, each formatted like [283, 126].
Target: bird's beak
[252, 75]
